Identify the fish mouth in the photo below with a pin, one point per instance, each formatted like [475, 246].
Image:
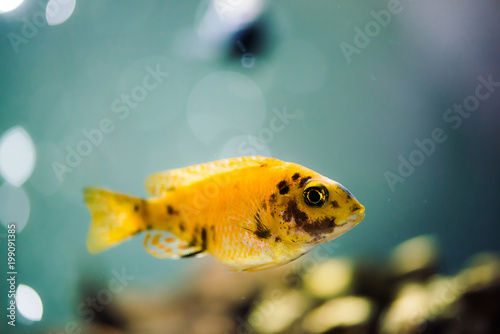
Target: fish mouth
[356, 219]
[347, 224]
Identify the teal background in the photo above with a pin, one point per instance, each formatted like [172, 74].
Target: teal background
[353, 122]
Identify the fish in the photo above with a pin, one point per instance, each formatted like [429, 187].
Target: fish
[250, 213]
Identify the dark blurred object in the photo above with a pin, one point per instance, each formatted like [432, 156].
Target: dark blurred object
[321, 295]
[104, 316]
[234, 30]
[248, 43]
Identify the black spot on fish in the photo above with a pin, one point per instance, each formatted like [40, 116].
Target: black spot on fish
[261, 230]
[321, 225]
[304, 180]
[335, 204]
[293, 212]
[203, 239]
[283, 187]
[277, 239]
[355, 207]
[171, 210]
[182, 227]
[272, 199]
[136, 207]
[194, 239]
[263, 165]
[295, 176]
[143, 209]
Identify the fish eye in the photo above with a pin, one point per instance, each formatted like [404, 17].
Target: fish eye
[315, 195]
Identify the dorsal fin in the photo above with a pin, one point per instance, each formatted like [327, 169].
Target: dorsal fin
[159, 183]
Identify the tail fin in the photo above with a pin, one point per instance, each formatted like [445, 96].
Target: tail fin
[115, 217]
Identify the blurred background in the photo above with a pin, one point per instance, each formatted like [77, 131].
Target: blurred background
[397, 100]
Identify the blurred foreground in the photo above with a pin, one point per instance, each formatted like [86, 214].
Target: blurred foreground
[316, 294]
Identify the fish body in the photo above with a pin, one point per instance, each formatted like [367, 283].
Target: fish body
[250, 213]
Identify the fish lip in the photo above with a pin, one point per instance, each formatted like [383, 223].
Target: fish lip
[353, 219]
[357, 218]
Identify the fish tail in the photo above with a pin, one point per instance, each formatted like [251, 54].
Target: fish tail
[115, 217]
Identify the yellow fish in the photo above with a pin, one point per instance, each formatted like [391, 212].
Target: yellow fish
[250, 213]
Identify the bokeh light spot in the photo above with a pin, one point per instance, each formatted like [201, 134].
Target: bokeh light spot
[319, 281]
[414, 254]
[8, 5]
[59, 11]
[29, 303]
[345, 311]
[14, 206]
[17, 156]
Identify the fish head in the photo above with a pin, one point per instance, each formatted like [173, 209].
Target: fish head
[318, 209]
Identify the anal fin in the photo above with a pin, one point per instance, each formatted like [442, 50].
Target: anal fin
[166, 245]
